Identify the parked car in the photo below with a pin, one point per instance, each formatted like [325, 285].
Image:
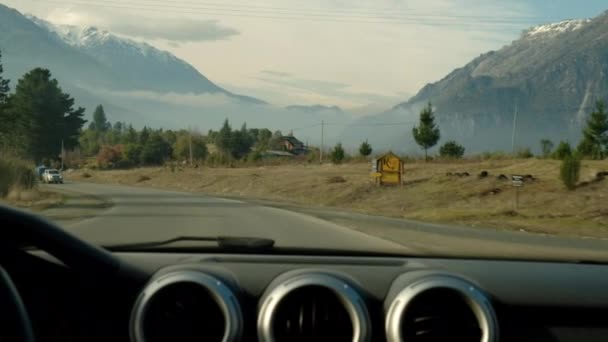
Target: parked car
[52, 176]
[40, 171]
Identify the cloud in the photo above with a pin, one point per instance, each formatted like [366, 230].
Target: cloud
[275, 73]
[172, 29]
[286, 79]
[191, 99]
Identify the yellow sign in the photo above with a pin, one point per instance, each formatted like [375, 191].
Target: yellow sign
[390, 169]
[391, 164]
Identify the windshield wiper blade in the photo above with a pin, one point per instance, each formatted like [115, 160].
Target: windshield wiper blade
[223, 242]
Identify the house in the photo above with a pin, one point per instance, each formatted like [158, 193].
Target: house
[293, 145]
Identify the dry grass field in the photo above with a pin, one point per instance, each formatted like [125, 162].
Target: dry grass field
[428, 193]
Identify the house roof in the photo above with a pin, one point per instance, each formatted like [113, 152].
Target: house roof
[293, 140]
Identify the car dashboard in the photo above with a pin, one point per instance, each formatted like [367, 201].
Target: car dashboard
[251, 297]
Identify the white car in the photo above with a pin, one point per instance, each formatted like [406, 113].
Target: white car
[52, 176]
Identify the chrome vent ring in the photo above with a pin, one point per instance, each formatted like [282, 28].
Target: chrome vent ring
[473, 296]
[348, 296]
[219, 293]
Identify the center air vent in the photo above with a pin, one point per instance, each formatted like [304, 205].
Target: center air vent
[313, 307]
[441, 308]
[186, 306]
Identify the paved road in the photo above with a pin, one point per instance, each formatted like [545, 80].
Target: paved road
[142, 214]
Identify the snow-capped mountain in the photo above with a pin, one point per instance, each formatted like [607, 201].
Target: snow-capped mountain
[549, 78]
[146, 67]
[555, 29]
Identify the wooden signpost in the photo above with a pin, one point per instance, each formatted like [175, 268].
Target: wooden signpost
[518, 182]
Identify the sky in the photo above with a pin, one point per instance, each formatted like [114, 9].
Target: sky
[361, 55]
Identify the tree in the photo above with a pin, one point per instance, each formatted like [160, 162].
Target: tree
[595, 135]
[131, 153]
[6, 119]
[562, 151]
[89, 144]
[427, 133]
[45, 116]
[242, 142]
[224, 140]
[130, 136]
[546, 146]
[570, 171]
[100, 121]
[337, 155]
[276, 141]
[109, 155]
[451, 149]
[155, 151]
[365, 149]
[144, 135]
[181, 149]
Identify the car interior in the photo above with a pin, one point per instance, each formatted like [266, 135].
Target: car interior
[56, 287]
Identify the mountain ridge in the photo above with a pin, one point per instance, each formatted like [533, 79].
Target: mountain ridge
[546, 82]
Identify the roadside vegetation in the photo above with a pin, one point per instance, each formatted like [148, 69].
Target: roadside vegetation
[464, 192]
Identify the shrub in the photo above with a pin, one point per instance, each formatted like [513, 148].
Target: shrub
[86, 175]
[15, 173]
[570, 171]
[562, 151]
[337, 154]
[451, 149]
[524, 153]
[365, 149]
[143, 179]
[109, 155]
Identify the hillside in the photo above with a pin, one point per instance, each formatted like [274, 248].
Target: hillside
[551, 77]
[94, 65]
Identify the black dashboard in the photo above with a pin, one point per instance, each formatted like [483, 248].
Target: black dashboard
[230, 297]
[76, 291]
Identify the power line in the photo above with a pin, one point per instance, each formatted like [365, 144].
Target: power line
[342, 10]
[291, 16]
[319, 12]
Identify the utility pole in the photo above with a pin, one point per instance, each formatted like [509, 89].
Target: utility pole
[190, 144]
[513, 134]
[62, 154]
[322, 142]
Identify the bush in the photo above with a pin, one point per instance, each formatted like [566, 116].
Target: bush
[338, 154]
[562, 151]
[109, 155]
[15, 173]
[451, 149]
[143, 179]
[365, 149]
[524, 153]
[570, 171]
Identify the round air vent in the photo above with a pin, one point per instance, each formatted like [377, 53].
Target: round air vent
[313, 307]
[186, 306]
[441, 308]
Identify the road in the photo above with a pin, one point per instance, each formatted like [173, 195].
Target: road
[139, 214]
[142, 214]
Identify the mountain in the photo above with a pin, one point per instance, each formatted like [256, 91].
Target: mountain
[547, 82]
[91, 59]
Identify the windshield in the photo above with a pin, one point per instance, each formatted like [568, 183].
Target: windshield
[431, 128]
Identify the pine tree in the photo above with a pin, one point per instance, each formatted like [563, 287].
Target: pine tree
[595, 135]
[365, 149]
[4, 85]
[45, 115]
[7, 121]
[338, 154]
[100, 121]
[224, 139]
[427, 133]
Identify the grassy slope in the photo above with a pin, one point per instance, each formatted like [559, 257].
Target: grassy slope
[430, 195]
